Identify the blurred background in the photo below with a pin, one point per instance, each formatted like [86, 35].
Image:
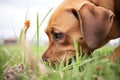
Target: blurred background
[13, 13]
[12, 17]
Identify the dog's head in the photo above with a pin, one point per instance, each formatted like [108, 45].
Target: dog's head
[88, 24]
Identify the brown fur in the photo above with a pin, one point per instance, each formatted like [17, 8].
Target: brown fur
[91, 22]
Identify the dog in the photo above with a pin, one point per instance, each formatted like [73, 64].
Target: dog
[92, 23]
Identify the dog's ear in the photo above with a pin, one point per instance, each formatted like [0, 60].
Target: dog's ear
[96, 23]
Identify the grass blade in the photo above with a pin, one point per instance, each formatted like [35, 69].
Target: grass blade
[26, 14]
[41, 23]
[76, 48]
[37, 33]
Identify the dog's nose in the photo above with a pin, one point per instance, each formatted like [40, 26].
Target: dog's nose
[44, 58]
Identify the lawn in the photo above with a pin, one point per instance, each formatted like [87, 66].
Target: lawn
[85, 68]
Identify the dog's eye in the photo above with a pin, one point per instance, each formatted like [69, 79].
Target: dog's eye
[58, 36]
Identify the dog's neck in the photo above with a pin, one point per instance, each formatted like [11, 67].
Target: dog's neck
[117, 15]
[116, 25]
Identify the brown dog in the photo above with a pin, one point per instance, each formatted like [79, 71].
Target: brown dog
[91, 22]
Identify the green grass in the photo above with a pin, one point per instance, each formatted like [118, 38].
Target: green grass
[84, 69]
[10, 55]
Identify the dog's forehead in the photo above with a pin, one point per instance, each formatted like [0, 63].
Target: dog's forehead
[62, 19]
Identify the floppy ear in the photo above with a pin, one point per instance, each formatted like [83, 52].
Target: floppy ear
[96, 23]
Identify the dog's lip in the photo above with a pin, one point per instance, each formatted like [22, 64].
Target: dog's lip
[70, 51]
